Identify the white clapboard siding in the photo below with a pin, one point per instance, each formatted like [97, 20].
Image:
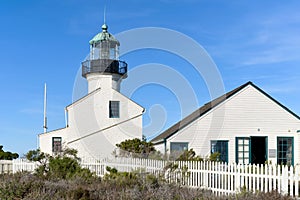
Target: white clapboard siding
[247, 113]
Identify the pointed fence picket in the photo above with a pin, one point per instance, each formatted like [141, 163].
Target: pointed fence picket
[20, 165]
[220, 178]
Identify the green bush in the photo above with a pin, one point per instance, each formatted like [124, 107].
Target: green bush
[7, 155]
[188, 155]
[137, 148]
[215, 157]
[61, 166]
[121, 178]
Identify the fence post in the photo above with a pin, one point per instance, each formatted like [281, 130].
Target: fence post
[291, 180]
[296, 181]
[13, 166]
[205, 177]
[237, 177]
[279, 176]
[284, 180]
[270, 167]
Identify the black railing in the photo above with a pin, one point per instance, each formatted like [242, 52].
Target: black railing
[104, 66]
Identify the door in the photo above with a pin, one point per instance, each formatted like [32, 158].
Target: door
[242, 150]
[251, 150]
[258, 150]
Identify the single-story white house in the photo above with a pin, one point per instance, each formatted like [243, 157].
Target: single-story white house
[246, 125]
[104, 117]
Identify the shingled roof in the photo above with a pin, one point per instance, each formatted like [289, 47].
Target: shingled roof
[206, 108]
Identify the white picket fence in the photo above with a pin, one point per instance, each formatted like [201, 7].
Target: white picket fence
[124, 165]
[5, 166]
[23, 165]
[220, 178]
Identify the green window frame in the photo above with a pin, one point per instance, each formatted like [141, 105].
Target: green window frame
[243, 151]
[56, 144]
[179, 146]
[285, 150]
[114, 109]
[220, 146]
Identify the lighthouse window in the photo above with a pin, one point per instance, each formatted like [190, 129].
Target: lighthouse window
[114, 109]
[104, 54]
[56, 144]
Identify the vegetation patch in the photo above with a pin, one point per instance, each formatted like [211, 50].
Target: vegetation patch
[61, 177]
[132, 186]
[7, 155]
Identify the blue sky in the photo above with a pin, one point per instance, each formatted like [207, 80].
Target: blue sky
[45, 41]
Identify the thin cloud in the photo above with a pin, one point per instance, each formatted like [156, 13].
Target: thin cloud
[261, 39]
[32, 111]
[281, 89]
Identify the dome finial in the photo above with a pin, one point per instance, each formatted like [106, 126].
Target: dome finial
[104, 28]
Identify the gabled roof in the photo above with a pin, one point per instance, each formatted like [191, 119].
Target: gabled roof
[206, 108]
[97, 90]
[84, 97]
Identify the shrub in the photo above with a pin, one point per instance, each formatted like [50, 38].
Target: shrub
[7, 155]
[215, 157]
[121, 178]
[188, 155]
[137, 148]
[27, 186]
[61, 166]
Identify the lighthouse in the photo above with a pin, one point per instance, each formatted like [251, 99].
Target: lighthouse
[104, 117]
[103, 69]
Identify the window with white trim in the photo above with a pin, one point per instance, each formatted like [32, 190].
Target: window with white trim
[220, 146]
[285, 148]
[179, 146]
[56, 144]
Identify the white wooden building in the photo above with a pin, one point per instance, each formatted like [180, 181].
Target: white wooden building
[104, 117]
[245, 125]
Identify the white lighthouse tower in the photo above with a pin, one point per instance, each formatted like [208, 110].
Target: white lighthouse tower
[104, 117]
[103, 69]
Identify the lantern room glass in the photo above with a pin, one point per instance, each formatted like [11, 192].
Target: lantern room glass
[104, 50]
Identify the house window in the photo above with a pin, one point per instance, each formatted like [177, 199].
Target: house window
[285, 149]
[221, 147]
[114, 109]
[56, 144]
[243, 150]
[179, 146]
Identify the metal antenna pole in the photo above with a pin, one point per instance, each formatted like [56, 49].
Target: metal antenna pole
[106, 4]
[104, 15]
[45, 109]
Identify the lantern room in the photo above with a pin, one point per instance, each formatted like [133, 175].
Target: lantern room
[104, 55]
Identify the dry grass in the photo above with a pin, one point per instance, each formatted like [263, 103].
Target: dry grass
[28, 186]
